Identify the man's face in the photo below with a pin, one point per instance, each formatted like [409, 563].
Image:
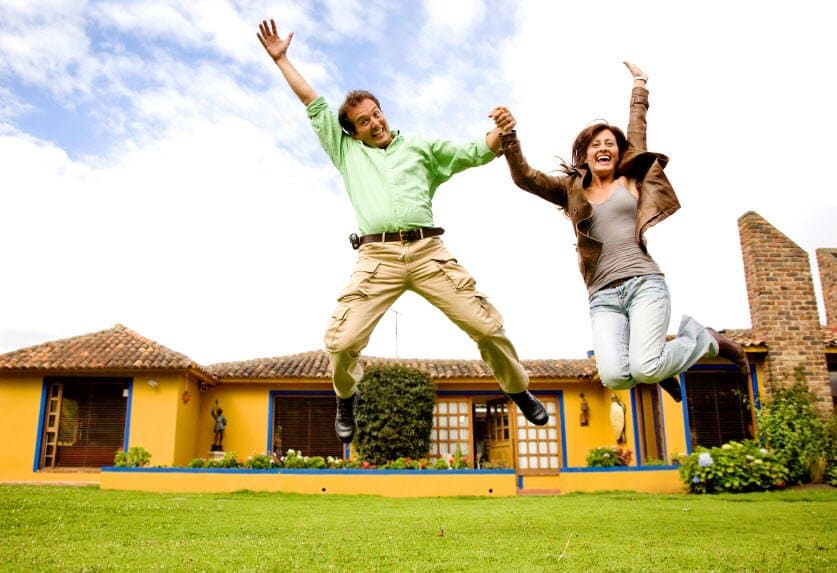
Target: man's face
[371, 127]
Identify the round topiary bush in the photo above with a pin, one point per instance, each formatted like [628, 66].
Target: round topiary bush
[394, 414]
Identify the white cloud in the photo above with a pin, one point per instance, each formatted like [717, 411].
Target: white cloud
[450, 23]
[215, 224]
[45, 45]
[11, 106]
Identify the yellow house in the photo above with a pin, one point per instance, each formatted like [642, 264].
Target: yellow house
[75, 402]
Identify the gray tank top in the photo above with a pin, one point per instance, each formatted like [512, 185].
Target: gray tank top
[614, 224]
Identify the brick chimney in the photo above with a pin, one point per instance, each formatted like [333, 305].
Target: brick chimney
[783, 308]
[827, 261]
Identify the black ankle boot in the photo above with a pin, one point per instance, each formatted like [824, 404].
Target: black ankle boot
[672, 388]
[344, 422]
[531, 407]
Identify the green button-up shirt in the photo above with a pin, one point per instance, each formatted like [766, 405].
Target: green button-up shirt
[392, 188]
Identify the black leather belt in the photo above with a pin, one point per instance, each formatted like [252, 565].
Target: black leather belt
[403, 236]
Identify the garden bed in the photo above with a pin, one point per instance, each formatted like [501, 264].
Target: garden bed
[391, 483]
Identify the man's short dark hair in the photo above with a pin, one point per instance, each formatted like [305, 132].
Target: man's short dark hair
[353, 98]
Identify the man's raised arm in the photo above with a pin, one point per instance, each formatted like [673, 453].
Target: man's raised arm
[277, 49]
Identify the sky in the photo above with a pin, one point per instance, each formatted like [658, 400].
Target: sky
[157, 172]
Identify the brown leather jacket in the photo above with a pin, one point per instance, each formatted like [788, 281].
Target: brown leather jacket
[657, 199]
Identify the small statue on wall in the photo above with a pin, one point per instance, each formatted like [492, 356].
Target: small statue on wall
[220, 425]
[584, 417]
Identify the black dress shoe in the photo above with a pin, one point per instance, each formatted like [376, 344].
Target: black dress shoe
[531, 407]
[732, 351]
[672, 388]
[344, 422]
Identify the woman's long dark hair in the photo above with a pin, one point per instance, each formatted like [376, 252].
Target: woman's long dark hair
[582, 142]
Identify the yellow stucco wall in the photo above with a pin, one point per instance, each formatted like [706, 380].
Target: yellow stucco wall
[389, 484]
[653, 481]
[153, 414]
[598, 433]
[20, 397]
[246, 408]
[190, 401]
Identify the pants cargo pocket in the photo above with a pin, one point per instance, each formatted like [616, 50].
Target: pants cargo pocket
[361, 275]
[335, 326]
[456, 274]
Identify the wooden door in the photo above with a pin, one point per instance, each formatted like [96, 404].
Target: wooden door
[500, 448]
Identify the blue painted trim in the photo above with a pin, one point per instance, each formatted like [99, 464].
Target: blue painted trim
[754, 381]
[563, 428]
[128, 408]
[684, 406]
[635, 424]
[680, 379]
[581, 470]
[39, 440]
[115, 469]
[270, 421]
[519, 481]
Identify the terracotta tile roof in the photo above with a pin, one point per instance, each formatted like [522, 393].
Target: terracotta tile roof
[744, 336]
[315, 365]
[118, 348]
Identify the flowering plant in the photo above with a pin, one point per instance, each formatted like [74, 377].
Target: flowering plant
[608, 456]
[262, 461]
[733, 467]
[295, 459]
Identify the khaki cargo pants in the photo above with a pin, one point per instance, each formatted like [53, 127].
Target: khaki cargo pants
[382, 273]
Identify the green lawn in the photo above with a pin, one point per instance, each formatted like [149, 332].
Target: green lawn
[51, 528]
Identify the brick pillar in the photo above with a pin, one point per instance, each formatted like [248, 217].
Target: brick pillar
[827, 261]
[783, 308]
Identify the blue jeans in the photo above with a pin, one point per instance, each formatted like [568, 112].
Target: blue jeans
[629, 334]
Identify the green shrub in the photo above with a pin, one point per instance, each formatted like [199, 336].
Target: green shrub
[733, 467]
[294, 460]
[830, 476]
[790, 428]
[262, 462]
[394, 414]
[607, 457]
[230, 460]
[405, 464]
[316, 463]
[135, 457]
[197, 463]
